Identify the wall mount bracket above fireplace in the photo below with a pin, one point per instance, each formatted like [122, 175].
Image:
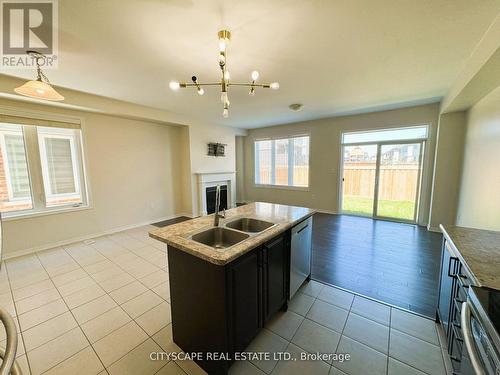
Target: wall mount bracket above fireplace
[216, 149]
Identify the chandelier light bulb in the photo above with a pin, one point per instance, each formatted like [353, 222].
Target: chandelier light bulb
[225, 113]
[227, 75]
[174, 85]
[274, 85]
[223, 97]
[201, 91]
[222, 45]
[255, 75]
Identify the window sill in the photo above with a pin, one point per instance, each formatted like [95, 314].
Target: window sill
[282, 187]
[28, 215]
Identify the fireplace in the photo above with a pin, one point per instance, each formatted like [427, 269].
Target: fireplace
[207, 183]
[210, 196]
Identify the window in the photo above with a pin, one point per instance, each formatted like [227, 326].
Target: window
[41, 167]
[15, 188]
[282, 162]
[263, 162]
[396, 134]
[60, 171]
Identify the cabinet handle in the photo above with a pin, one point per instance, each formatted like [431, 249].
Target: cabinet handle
[455, 328]
[460, 279]
[449, 267]
[301, 229]
[458, 305]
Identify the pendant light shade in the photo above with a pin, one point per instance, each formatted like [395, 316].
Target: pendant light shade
[39, 90]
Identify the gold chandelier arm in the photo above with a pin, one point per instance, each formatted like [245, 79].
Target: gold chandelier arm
[263, 85]
[183, 85]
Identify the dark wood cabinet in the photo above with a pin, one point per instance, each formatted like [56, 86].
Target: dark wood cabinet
[455, 279]
[222, 308]
[275, 256]
[446, 286]
[245, 283]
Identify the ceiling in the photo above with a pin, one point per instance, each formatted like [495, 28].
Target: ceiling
[334, 56]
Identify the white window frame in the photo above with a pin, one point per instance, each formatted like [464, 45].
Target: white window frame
[381, 130]
[290, 163]
[8, 177]
[34, 167]
[425, 163]
[58, 133]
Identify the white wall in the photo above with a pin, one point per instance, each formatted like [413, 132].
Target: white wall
[479, 202]
[325, 155]
[132, 169]
[447, 169]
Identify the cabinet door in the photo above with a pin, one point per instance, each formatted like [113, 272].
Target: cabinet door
[446, 287]
[245, 277]
[275, 255]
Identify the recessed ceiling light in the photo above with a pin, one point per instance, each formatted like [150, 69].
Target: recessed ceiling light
[296, 107]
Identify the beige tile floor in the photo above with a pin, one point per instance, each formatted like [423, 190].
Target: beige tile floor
[102, 307]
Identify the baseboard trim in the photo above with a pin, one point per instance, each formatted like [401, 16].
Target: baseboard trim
[69, 241]
[433, 229]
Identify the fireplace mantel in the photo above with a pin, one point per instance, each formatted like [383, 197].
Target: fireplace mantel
[209, 179]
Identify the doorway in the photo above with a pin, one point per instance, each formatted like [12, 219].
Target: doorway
[382, 173]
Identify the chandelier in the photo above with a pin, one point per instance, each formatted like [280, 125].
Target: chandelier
[225, 83]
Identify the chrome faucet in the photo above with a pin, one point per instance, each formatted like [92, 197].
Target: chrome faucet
[217, 216]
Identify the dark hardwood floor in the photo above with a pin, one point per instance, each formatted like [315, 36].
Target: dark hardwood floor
[392, 262]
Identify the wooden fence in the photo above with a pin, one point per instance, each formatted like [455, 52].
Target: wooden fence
[300, 176]
[397, 182]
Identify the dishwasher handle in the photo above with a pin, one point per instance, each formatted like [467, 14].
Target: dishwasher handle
[469, 339]
[304, 227]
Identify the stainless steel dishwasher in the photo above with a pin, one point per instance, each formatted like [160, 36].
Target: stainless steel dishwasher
[300, 257]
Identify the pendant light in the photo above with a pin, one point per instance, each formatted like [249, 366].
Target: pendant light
[39, 88]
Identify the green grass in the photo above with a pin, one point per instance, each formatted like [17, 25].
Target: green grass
[364, 206]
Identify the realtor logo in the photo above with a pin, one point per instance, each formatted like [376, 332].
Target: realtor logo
[28, 25]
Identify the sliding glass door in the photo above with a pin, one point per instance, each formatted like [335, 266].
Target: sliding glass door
[398, 185]
[381, 179]
[360, 165]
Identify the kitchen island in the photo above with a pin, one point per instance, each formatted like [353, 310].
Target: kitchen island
[222, 297]
[478, 251]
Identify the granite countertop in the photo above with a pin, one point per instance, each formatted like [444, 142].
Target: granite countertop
[479, 250]
[284, 216]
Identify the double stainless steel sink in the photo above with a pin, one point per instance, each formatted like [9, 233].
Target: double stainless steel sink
[231, 233]
[218, 237]
[249, 225]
